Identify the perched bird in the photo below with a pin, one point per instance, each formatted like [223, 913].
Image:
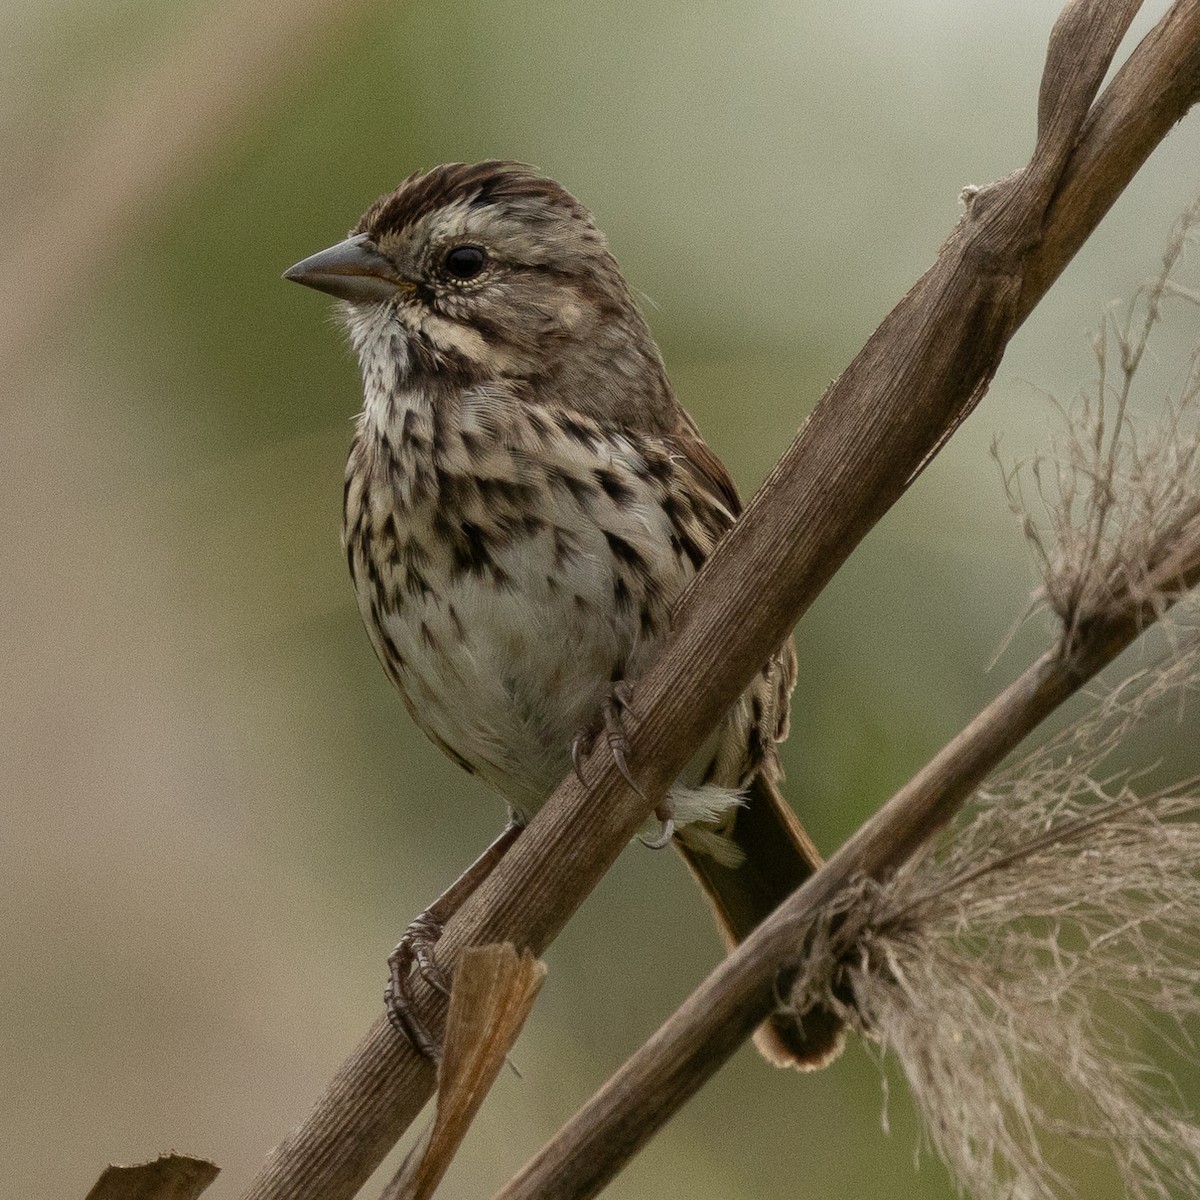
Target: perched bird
[525, 499]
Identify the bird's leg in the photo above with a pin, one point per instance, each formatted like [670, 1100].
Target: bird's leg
[609, 722]
[415, 948]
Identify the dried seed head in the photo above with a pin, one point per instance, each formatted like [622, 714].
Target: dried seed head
[1007, 971]
[1115, 520]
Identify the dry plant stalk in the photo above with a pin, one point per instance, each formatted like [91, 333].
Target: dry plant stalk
[853, 947]
[1008, 973]
[876, 426]
[168, 1177]
[1006, 970]
[494, 990]
[926, 365]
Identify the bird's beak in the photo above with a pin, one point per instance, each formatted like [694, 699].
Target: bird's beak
[351, 270]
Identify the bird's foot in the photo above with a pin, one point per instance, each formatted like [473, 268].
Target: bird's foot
[610, 724]
[415, 948]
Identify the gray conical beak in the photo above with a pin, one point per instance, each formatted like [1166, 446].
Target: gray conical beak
[352, 270]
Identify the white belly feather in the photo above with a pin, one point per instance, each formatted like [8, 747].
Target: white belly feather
[572, 565]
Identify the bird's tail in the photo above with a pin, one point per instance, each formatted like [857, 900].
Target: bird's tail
[778, 857]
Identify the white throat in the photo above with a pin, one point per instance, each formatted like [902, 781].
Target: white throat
[381, 344]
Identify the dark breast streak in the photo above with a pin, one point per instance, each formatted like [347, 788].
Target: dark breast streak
[550, 559]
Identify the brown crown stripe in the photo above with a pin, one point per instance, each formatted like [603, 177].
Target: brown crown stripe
[423, 193]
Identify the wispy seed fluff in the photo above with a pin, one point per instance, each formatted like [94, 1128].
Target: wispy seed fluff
[1033, 975]
[1114, 514]
[1037, 975]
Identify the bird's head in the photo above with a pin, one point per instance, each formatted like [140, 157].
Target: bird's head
[477, 273]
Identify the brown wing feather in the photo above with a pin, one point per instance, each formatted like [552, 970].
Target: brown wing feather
[709, 470]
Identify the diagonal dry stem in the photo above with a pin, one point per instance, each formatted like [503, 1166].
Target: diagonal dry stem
[926, 365]
[722, 1012]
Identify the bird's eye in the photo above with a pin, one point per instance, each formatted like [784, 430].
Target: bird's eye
[465, 262]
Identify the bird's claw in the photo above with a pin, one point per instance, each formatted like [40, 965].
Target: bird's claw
[666, 833]
[617, 750]
[581, 744]
[415, 948]
[614, 731]
[614, 736]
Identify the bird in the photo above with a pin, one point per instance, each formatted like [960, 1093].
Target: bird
[525, 500]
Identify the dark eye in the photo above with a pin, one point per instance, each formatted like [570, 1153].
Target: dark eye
[465, 262]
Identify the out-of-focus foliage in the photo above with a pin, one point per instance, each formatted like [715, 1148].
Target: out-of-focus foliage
[217, 815]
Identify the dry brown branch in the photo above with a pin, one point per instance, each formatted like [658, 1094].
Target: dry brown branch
[726, 1008]
[922, 370]
[494, 990]
[1121, 547]
[1022, 974]
[168, 1177]
[160, 124]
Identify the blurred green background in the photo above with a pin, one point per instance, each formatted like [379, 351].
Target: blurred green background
[217, 816]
